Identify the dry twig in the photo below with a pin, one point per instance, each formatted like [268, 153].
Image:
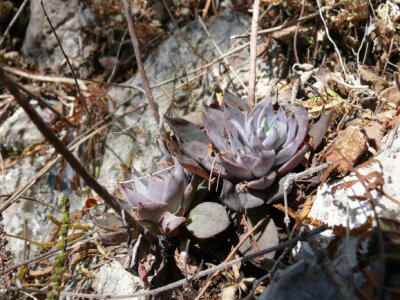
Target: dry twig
[142, 71]
[15, 18]
[68, 62]
[253, 54]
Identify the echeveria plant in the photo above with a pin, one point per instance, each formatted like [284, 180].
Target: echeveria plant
[163, 200]
[259, 144]
[251, 148]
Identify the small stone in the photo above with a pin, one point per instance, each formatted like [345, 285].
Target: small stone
[352, 145]
[113, 279]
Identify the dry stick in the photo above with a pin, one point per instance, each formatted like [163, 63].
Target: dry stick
[44, 78]
[220, 53]
[230, 256]
[289, 183]
[68, 156]
[117, 57]
[291, 242]
[206, 8]
[68, 62]
[296, 32]
[15, 18]
[142, 71]
[253, 54]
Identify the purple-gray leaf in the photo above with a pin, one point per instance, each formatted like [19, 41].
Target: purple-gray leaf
[235, 169]
[263, 182]
[175, 188]
[207, 220]
[294, 161]
[170, 223]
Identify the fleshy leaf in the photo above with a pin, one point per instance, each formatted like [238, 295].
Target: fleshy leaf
[175, 188]
[249, 198]
[155, 188]
[207, 220]
[237, 170]
[170, 224]
[113, 237]
[195, 149]
[185, 130]
[229, 197]
[294, 161]
[319, 129]
[264, 237]
[263, 182]
[235, 101]
[215, 132]
[148, 210]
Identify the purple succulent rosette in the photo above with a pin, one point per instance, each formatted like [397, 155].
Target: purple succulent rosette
[163, 200]
[258, 145]
[254, 147]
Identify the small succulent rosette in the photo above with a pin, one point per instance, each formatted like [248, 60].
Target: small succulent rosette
[162, 199]
[255, 147]
[251, 147]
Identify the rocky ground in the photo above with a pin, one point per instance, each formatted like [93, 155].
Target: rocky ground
[337, 59]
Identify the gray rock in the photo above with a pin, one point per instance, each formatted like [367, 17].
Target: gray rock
[40, 44]
[113, 279]
[18, 132]
[39, 225]
[180, 53]
[304, 280]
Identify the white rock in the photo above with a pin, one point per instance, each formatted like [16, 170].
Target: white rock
[18, 131]
[334, 205]
[112, 279]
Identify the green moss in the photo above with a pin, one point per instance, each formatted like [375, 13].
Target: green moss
[62, 257]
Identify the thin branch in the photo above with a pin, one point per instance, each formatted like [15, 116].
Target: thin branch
[142, 71]
[117, 57]
[68, 62]
[253, 54]
[36, 200]
[206, 8]
[15, 18]
[330, 39]
[296, 32]
[67, 154]
[46, 255]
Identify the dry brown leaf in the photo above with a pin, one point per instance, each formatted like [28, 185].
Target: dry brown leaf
[352, 145]
[377, 82]
[41, 272]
